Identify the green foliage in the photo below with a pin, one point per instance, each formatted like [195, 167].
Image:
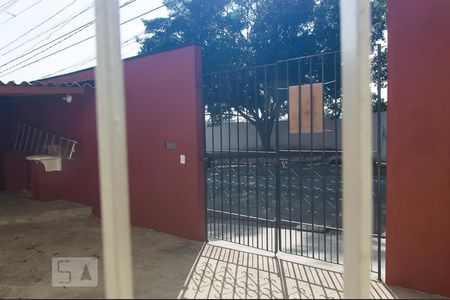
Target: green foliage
[213, 25]
[237, 34]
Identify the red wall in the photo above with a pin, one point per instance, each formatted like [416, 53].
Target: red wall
[163, 102]
[4, 123]
[79, 180]
[418, 208]
[17, 170]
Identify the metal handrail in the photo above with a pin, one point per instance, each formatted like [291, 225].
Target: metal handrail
[34, 140]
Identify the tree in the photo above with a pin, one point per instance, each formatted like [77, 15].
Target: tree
[237, 34]
[379, 60]
[213, 25]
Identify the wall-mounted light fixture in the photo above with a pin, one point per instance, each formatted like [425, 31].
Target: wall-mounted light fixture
[68, 98]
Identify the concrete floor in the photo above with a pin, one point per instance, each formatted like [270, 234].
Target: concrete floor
[18, 208]
[164, 266]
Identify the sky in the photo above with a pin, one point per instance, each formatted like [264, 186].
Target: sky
[29, 27]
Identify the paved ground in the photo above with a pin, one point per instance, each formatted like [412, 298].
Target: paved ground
[164, 266]
[327, 246]
[19, 208]
[161, 262]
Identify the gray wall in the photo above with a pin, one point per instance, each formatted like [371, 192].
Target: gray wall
[318, 142]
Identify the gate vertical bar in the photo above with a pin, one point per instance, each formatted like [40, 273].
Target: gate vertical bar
[112, 151]
[379, 159]
[300, 188]
[213, 161]
[230, 177]
[222, 225]
[238, 159]
[212, 88]
[248, 161]
[277, 164]
[324, 168]
[336, 135]
[311, 128]
[267, 135]
[205, 154]
[288, 163]
[357, 156]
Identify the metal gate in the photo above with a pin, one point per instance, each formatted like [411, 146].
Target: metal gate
[273, 148]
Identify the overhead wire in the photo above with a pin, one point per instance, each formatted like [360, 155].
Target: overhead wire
[14, 16]
[46, 49]
[92, 58]
[71, 45]
[40, 24]
[54, 30]
[6, 3]
[57, 27]
[7, 6]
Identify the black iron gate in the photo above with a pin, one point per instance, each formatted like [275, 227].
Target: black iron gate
[273, 146]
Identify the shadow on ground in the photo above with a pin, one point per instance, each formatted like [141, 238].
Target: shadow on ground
[233, 274]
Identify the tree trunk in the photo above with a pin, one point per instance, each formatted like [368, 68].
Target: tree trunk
[265, 132]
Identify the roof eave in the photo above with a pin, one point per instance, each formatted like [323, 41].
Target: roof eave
[39, 90]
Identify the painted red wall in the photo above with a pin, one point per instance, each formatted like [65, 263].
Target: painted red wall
[16, 171]
[4, 126]
[166, 106]
[163, 103]
[79, 180]
[418, 208]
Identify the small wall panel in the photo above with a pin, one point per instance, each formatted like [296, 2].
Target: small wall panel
[303, 97]
[294, 114]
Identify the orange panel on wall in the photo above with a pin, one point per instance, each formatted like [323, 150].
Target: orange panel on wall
[294, 101]
[304, 97]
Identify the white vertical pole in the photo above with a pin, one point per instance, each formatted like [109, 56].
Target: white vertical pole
[357, 157]
[112, 151]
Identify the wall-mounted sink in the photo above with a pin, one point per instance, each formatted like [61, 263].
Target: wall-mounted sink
[51, 163]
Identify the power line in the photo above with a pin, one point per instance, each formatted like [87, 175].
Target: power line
[67, 47]
[63, 37]
[21, 12]
[57, 40]
[127, 3]
[65, 22]
[147, 12]
[133, 37]
[58, 26]
[8, 5]
[92, 58]
[48, 48]
[54, 30]
[40, 24]
[44, 57]
[71, 45]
